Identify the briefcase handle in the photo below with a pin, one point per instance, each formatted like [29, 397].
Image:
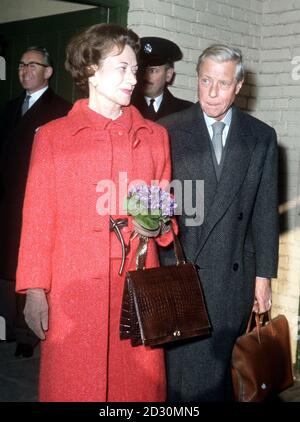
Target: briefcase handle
[260, 321]
[143, 247]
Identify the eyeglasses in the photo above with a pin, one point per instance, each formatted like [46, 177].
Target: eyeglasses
[30, 65]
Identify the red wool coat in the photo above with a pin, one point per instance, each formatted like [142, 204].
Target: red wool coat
[67, 249]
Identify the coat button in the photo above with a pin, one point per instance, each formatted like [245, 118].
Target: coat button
[240, 216]
[235, 266]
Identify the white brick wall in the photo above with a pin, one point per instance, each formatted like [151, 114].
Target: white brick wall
[193, 25]
[268, 33]
[280, 41]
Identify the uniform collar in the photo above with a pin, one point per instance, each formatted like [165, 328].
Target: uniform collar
[157, 101]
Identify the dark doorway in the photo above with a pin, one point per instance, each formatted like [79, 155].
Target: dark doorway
[52, 32]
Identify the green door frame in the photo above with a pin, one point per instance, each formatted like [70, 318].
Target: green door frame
[119, 8]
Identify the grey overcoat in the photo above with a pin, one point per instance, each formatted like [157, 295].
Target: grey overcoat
[237, 241]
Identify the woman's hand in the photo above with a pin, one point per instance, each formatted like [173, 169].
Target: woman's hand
[36, 311]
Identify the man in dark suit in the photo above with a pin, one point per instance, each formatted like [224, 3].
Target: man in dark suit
[235, 243]
[156, 71]
[19, 121]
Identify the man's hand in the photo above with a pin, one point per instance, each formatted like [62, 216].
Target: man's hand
[36, 311]
[263, 295]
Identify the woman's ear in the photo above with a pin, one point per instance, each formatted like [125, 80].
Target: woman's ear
[92, 69]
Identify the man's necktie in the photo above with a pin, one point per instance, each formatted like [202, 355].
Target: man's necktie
[151, 114]
[217, 139]
[25, 104]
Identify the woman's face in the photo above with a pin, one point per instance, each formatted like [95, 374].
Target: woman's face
[115, 77]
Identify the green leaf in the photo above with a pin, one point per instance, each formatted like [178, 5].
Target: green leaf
[147, 222]
[133, 207]
[155, 213]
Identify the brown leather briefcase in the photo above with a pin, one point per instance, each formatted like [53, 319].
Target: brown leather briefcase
[261, 364]
[164, 304]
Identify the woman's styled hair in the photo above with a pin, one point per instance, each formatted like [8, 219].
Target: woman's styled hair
[94, 44]
[223, 53]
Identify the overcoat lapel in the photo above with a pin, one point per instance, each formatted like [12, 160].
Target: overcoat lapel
[241, 143]
[196, 155]
[42, 101]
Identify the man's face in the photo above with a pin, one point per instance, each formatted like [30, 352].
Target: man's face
[153, 79]
[35, 76]
[217, 87]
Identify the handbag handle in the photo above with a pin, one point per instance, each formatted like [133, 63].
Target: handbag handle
[260, 321]
[143, 247]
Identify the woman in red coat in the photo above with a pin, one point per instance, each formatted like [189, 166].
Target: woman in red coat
[69, 260]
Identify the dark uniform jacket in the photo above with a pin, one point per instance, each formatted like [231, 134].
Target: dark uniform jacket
[237, 240]
[17, 135]
[169, 105]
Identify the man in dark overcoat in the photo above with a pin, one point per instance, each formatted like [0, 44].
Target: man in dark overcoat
[19, 121]
[156, 71]
[234, 238]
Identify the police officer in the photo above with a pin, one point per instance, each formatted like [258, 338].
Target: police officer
[156, 71]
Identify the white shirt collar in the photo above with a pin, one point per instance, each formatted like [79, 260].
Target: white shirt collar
[226, 119]
[157, 101]
[36, 95]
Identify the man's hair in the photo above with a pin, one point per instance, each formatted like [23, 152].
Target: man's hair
[94, 44]
[223, 53]
[169, 65]
[43, 51]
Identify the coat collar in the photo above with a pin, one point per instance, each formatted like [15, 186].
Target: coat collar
[82, 117]
[139, 101]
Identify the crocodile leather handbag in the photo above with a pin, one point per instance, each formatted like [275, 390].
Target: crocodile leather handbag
[164, 304]
[261, 363]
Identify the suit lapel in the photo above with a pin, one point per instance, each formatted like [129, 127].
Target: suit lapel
[44, 99]
[241, 143]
